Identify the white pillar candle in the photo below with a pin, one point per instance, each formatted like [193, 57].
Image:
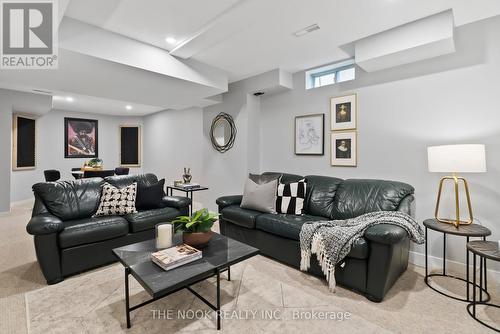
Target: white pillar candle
[164, 236]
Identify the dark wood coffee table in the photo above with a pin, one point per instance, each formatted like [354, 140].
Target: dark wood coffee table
[467, 231]
[485, 250]
[220, 254]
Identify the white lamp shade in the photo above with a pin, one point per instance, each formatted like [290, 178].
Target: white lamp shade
[466, 158]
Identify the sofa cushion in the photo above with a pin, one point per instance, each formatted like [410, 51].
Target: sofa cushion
[88, 230]
[145, 220]
[264, 178]
[260, 197]
[320, 195]
[150, 196]
[355, 197]
[239, 216]
[116, 201]
[285, 178]
[70, 200]
[121, 181]
[287, 226]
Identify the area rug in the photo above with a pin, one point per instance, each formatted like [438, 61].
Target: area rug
[263, 296]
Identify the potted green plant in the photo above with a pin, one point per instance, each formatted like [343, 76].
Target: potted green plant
[95, 163]
[196, 230]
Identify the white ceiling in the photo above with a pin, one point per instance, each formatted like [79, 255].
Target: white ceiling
[248, 37]
[117, 54]
[149, 21]
[83, 103]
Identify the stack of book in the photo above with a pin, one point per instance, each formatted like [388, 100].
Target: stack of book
[189, 186]
[176, 256]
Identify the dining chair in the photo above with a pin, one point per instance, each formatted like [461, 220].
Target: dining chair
[76, 175]
[122, 170]
[51, 175]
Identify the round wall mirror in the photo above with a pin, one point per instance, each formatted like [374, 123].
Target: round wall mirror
[223, 132]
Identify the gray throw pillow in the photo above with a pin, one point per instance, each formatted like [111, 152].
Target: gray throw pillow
[264, 178]
[260, 197]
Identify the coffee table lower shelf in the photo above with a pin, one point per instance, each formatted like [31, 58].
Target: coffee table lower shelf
[215, 307]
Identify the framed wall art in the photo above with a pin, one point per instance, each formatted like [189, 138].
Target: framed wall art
[310, 134]
[344, 150]
[343, 112]
[80, 138]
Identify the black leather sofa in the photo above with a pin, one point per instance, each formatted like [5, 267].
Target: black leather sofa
[68, 240]
[375, 261]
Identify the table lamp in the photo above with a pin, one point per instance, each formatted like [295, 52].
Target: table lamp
[466, 158]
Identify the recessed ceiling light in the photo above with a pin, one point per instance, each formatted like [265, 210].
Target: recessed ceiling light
[69, 99]
[170, 40]
[306, 30]
[128, 107]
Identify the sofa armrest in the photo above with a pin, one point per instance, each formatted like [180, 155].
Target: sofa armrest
[407, 205]
[177, 202]
[44, 224]
[224, 201]
[386, 234]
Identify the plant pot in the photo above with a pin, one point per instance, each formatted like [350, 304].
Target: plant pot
[197, 239]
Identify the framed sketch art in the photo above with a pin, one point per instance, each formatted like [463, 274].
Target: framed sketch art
[310, 134]
[344, 150]
[343, 113]
[80, 138]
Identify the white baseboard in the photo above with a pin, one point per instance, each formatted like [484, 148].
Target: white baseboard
[24, 202]
[435, 262]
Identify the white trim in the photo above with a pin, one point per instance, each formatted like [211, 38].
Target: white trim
[435, 262]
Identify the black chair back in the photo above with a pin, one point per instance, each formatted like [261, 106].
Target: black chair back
[98, 173]
[122, 170]
[76, 172]
[51, 175]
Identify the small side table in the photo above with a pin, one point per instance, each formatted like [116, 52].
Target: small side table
[485, 250]
[468, 231]
[189, 194]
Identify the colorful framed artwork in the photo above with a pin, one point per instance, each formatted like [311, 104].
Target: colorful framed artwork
[80, 138]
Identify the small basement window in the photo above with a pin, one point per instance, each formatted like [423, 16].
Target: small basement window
[331, 74]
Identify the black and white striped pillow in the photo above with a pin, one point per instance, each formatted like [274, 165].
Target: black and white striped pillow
[290, 197]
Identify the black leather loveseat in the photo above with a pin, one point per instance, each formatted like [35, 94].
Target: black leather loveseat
[375, 261]
[68, 240]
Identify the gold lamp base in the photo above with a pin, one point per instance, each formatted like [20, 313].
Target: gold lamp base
[457, 221]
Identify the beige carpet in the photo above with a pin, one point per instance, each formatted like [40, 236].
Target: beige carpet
[263, 297]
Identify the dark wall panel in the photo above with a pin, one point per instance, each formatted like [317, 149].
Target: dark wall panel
[130, 146]
[24, 142]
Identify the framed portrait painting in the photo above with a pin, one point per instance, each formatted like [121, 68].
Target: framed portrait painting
[344, 150]
[310, 134]
[80, 138]
[343, 113]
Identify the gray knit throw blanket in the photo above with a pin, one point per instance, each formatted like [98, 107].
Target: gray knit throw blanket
[331, 241]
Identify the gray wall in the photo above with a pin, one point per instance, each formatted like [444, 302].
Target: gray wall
[5, 149]
[450, 99]
[50, 149]
[173, 140]
[225, 173]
